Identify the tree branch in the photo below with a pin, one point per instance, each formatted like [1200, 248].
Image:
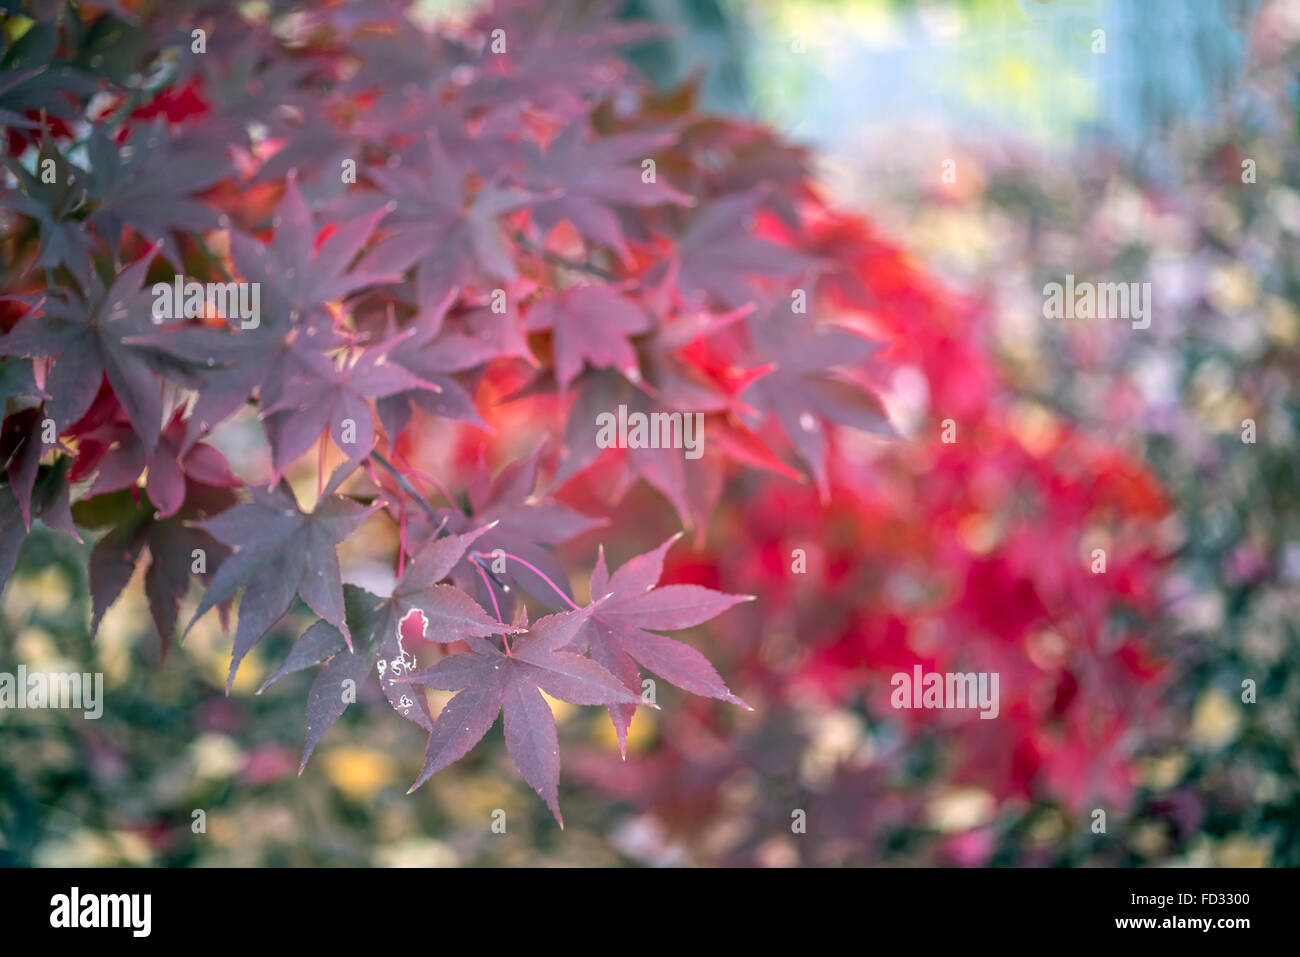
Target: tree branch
[404, 483]
[597, 271]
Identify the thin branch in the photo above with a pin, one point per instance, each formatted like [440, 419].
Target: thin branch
[404, 483]
[567, 263]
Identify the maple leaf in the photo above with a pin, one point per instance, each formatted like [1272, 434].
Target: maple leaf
[522, 522]
[692, 486]
[801, 391]
[281, 551]
[570, 53]
[240, 74]
[616, 633]
[49, 500]
[455, 240]
[419, 609]
[90, 335]
[173, 543]
[593, 176]
[589, 322]
[297, 278]
[171, 465]
[55, 207]
[719, 255]
[302, 269]
[21, 449]
[326, 396]
[151, 183]
[490, 681]
[431, 352]
[33, 80]
[183, 485]
[446, 613]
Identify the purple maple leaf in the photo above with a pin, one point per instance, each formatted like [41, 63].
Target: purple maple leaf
[616, 634]
[490, 681]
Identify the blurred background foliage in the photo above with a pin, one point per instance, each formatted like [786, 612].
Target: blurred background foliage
[1125, 165]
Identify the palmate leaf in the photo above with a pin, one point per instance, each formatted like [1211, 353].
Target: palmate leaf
[569, 54]
[719, 256]
[432, 350]
[490, 681]
[518, 522]
[190, 486]
[22, 447]
[589, 322]
[118, 457]
[455, 241]
[171, 542]
[281, 552]
[595, 176]
[152, 183]
[93, 334]
[335, 398]
[33, 81]
[297, 276]
[619, 633]
[183, 486]
[476, 170]
[383, 629]
[802, 393]
[56, 207]
[50, 502]
[241, 74]
[692, 486]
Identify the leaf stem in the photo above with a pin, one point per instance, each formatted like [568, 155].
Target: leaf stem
[536, 571]
[320, 465]
[401, 537]
[493, 595]
[564, 261]
[432, 480]
[405, 485]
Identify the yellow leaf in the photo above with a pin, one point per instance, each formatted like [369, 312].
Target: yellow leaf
[359, 772]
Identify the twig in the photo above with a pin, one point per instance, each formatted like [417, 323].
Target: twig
[597, 271]
[405, 485]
